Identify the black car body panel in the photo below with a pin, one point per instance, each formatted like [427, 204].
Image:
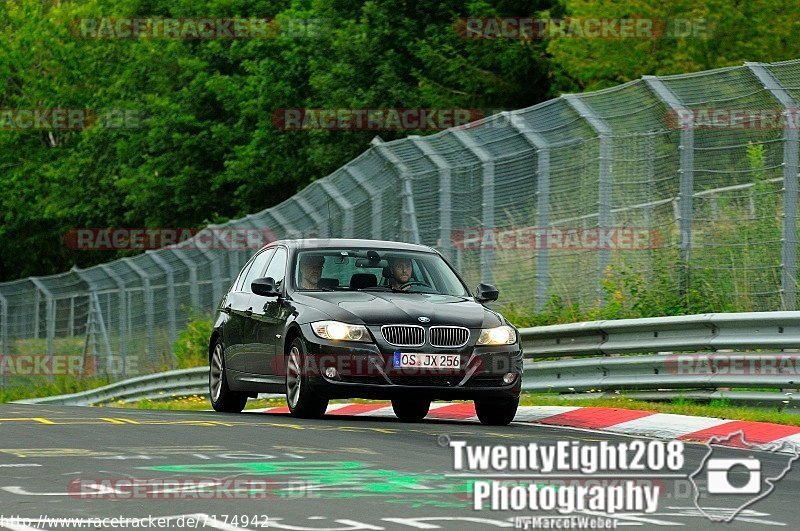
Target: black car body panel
[256, 331]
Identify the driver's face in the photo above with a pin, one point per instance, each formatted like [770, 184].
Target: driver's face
[401, 270]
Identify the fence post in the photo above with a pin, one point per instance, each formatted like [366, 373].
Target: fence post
[290, 230]
[148, 307]
[122, 325]
[51, 312]
[542, 148]
[216, 269]
[409, 229]
[445, 195]
[487, 203]
[790, 187]
[685, 208]
[319, 220]
[37, 300]
[171, 306]
[374, 193]
[94, 306]
[344, 205]
[604, 215]
[194, 288]
[3, 334]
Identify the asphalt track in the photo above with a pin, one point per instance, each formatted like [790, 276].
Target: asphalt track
[364, 473]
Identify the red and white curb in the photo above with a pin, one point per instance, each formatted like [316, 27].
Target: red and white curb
[612, 420]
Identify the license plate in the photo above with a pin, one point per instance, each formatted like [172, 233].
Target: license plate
[417, 360]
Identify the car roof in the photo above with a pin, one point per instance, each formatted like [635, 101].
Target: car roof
[336, 243]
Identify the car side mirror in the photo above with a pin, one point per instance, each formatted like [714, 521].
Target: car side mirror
[265, 287]
[486, 293]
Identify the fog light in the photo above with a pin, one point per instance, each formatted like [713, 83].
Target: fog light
[330, 372]
[509, 377]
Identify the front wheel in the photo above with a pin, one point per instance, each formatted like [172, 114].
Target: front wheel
[222, 398]
[496, 411]
[410, 409]
[303, 402]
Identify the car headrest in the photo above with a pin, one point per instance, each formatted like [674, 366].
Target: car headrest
[363, 280]
[329, 283]
[387, 272]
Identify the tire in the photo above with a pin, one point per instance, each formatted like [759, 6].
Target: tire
[496, 411]
[410, 409]
[222, 398]
[303, 402]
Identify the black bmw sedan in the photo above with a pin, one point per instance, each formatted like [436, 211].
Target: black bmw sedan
[338, 318]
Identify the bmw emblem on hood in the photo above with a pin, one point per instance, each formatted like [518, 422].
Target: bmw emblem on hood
[423, 319]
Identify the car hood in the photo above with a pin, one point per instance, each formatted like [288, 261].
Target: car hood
[378, 308]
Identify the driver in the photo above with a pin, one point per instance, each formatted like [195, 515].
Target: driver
[401, 271]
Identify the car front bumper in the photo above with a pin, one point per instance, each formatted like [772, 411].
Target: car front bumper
[366, 370]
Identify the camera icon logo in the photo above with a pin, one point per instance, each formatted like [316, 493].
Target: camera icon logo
[724, 486]
[720, 480]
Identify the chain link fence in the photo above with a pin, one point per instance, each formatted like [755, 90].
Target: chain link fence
[542, 202]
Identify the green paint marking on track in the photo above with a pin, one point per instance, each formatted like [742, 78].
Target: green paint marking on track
[343, 479]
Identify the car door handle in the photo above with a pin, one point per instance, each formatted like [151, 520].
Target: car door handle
[249, 311]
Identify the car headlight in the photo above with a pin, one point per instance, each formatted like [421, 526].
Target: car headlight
[341, 331]
[502, 335]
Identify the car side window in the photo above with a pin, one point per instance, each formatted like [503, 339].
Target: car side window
[277, 268]
[258, 265]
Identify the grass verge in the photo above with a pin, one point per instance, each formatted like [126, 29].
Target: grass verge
[37, 387]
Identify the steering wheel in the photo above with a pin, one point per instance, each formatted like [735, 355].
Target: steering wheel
[412, 283]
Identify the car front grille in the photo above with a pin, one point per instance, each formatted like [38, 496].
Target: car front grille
[404, 335]
[448, 336]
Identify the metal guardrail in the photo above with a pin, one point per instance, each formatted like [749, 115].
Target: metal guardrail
[697, 354]
[184, 382]
[613, 366]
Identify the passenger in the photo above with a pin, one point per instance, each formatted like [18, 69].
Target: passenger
[310, 270]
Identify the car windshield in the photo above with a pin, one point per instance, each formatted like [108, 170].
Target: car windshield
[375, 270]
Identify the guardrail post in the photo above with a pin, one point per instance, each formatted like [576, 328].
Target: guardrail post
[409, 229]
[122, 324]
[604, 215]
[790, 185]
[51, 312]
[487, 204]
[542, 148]
[374, 193]
[344, 206]
[445, 195]
[148, 306]
[685, 208]
[171, 305]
